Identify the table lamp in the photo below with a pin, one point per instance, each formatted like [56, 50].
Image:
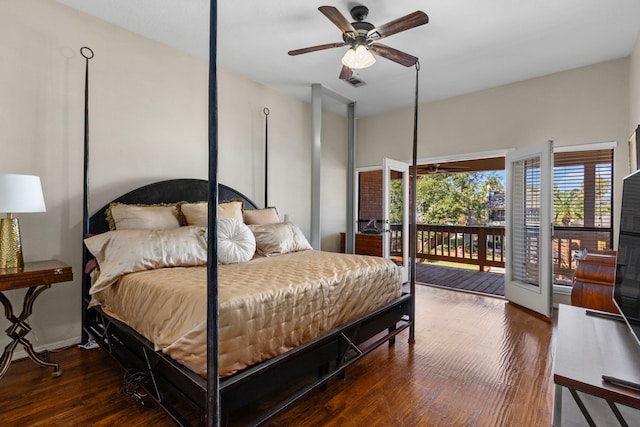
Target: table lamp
[18, 194]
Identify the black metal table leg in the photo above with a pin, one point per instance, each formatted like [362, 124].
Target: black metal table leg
[583, 408]
[20, 328]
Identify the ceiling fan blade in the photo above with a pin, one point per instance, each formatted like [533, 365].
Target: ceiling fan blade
[346, 73]
[431, 169]
[315, 48]
[337, 18]
[393, 54]
[407, 22]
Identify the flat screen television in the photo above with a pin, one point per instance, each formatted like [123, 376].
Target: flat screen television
[626, 290]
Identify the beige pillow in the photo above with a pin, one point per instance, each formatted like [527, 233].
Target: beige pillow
[231, 209]
[279, 238]
[261, 216]
[140, 217]
[197, 213]
[126, 251]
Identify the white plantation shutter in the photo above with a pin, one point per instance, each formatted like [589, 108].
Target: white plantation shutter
[528, 227]
[526, 221]
[589, 173]
[582, 206]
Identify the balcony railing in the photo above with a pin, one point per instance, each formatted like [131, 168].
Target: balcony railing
[477, 245]
[569, 241]
[483, 246]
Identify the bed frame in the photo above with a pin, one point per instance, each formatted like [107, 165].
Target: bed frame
[257, 393]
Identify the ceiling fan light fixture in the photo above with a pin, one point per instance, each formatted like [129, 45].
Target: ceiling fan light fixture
[358, 58]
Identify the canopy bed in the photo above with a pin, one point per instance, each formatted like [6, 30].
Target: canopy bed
[201, 361]
[172, 371]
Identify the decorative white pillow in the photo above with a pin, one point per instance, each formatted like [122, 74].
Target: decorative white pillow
[126, 251]
[279, 238]
[235, 242]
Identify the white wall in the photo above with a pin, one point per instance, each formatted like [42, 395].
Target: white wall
[333, 178]
[148, 121]
[580, 106]
[634, 87]
[584, 105]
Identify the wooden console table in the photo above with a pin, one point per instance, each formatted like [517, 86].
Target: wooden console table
[593, 281]
[589, 346]
[37, 276]
[365, 244]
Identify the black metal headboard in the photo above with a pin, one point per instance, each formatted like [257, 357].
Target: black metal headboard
[170, 191]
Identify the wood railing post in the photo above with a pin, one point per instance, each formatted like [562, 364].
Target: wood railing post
[437, 244]
[482, 247]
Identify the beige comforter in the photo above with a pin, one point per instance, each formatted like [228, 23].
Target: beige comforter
[267, 306]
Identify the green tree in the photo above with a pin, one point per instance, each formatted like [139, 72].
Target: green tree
[603, 196]
[568, 205]
[395, 201]
[457, 198]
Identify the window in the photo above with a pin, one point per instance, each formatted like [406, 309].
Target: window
[582, 207]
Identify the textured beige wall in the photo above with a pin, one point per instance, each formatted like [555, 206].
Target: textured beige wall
[148, 112]
[148, 121]
[634, 87]
[333, 181]
[585, 105]
[579, 106]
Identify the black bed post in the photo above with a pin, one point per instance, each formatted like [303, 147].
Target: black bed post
[413, 234]
[266, 112]
[213, 384]
[87, 53]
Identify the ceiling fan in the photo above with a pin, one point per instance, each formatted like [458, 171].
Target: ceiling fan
[362, 37]
[440, 168]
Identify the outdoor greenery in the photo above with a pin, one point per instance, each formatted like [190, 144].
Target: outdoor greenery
[461, 199]
[568, 204]
[458, 198]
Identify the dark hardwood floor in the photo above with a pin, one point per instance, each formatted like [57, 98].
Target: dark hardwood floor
[477, 361]
[86, 394]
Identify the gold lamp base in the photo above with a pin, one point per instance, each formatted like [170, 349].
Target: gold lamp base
[10, 243]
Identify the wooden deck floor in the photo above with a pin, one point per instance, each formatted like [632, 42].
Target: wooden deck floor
[484, 282]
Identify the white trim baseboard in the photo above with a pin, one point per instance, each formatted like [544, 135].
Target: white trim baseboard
[21, 354]
[561, 290]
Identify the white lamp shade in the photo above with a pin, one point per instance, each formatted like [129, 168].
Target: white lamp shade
[358, 58]
[21, 193]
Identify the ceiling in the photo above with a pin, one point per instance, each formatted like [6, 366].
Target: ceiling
[471, 165]
[468, 45]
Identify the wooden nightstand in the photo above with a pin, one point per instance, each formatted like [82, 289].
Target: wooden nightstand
[366, 244]
[37, 276]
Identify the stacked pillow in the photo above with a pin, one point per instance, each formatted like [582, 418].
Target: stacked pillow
[279, 238]
[260, 216]
[235, 242]
[241, 233]
[142, 217]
